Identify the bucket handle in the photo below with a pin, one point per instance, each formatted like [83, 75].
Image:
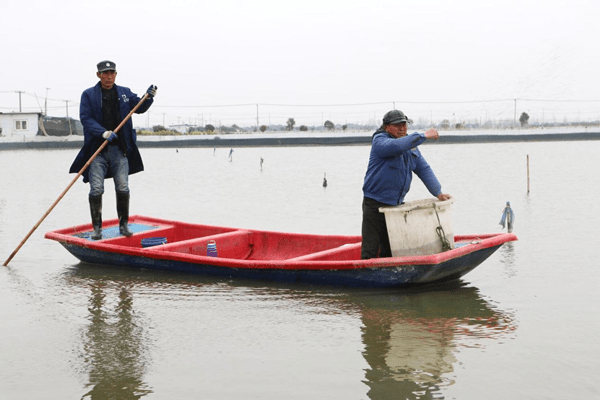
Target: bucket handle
[440, 232]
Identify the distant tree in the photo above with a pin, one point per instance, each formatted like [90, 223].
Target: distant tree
[329, 125]
[227, 129]
[290, 124]
[209, 128]
[235, 128]
[158, 128]
[524, 119]
[303, 128]
[263, 128]
[344, 127]
[445, 124]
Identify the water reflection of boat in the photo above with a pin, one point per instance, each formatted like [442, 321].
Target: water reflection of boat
[276, 256]
[410, 338]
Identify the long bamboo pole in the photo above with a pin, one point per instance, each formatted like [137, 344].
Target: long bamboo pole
[87, 164]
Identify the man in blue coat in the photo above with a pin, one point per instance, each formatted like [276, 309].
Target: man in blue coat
[394, 157]
[103, 107]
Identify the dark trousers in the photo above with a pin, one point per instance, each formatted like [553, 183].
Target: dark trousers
[375, 240]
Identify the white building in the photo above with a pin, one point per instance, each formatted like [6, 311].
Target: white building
[19, 124]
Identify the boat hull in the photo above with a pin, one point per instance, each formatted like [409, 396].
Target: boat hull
[398, 276]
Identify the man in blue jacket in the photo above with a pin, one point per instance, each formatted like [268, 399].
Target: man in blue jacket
[103, 107]
[394, 157]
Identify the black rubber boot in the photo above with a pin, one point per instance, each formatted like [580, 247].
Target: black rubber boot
[123, 213]
[96, 212]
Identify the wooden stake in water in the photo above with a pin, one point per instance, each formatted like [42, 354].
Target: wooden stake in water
[527, 173]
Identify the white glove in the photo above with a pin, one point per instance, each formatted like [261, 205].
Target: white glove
[109, 135]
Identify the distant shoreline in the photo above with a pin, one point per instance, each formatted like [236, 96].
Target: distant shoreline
[224, 141]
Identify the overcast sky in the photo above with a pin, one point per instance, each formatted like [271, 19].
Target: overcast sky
[348, 61]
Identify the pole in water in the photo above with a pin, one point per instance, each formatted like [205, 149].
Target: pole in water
[527, 173]
[325, 179]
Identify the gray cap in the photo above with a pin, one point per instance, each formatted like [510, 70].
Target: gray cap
[394, 117]
[106, 66]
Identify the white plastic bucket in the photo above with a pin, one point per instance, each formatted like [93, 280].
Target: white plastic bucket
[416, 228]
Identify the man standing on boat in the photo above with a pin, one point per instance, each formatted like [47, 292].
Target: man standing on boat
[101, 110]
[394, 157]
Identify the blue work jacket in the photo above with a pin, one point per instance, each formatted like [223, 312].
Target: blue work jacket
[391, 165]
[90, 114]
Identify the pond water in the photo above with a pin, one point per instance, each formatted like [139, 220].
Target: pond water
[523, 324]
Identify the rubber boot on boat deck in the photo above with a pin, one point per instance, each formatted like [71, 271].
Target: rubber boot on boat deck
[123, 213]
[96, 212]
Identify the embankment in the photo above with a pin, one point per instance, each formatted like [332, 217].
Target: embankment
[238, 141]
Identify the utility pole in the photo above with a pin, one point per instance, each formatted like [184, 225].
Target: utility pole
[515, 112]
[46, 103]
[257, 118]
[19, 99]
[68, 120]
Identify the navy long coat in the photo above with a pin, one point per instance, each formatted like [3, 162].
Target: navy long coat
[90, 114]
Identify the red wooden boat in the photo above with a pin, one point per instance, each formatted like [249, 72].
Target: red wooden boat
[325, 259]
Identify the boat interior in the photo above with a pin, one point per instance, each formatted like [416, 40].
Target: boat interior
[241, 244]
[153, 234]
